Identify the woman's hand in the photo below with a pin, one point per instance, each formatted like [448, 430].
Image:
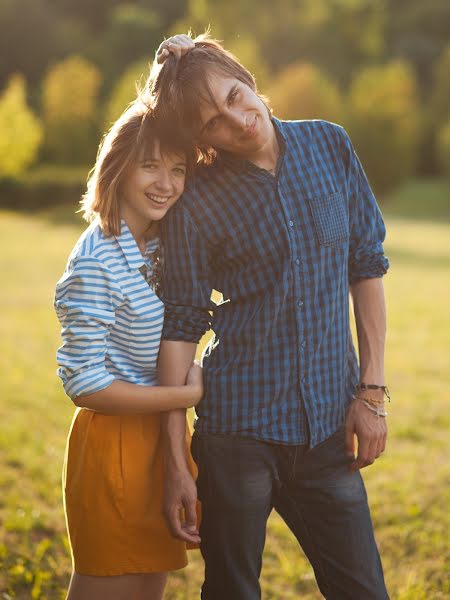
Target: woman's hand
[178, 45]
[194, 380]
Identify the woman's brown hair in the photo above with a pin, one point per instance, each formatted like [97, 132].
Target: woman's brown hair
[132, 136]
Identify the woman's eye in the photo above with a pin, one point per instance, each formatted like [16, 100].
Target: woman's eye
[180, 171]
[149, 166]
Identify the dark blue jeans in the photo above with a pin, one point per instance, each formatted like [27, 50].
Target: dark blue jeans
[323, 503]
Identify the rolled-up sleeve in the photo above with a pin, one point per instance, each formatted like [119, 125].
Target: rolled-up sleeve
[186, 278]
[367, 230]
[85, 301]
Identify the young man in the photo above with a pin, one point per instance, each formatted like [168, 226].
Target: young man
[283, 223]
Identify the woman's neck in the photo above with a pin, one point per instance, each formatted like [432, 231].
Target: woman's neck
[141, 231]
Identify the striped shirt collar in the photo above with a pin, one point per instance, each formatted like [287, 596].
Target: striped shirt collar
[130, 248]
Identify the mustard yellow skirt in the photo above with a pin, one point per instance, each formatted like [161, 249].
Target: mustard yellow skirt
[113, 495]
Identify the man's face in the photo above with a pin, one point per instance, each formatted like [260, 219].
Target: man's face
[239, 122]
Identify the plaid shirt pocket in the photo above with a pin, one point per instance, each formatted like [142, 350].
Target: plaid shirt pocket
[330, 219]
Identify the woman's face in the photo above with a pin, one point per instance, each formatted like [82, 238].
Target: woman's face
[152, 187]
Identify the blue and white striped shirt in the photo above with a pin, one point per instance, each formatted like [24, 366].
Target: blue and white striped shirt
[282, 250]
[111, 319]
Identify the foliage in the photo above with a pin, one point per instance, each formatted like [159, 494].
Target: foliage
[29, 38]
[440, 97]
[383, 121]
[333, 34]
[21, 130]
[125, 89]
[248, 52]
[418, 32]
[444, 148]
[133, 32]
[409, 499]
[44, 185]
[339, 37]
[69, 99]
[301, 91]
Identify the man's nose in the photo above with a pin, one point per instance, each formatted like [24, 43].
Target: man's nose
[237, 119]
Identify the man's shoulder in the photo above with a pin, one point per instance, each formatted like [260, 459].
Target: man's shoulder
[312, 129]
[203, 186]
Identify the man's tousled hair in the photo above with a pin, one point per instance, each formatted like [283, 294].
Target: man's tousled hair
[178, 88]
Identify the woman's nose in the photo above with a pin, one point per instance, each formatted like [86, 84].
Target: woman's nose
[163, 182]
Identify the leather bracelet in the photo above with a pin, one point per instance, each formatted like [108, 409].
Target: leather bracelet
[372, 386]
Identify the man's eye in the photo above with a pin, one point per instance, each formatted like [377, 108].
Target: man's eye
[233, 95]
[212, 124]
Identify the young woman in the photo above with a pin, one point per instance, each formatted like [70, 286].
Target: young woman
[111, 319]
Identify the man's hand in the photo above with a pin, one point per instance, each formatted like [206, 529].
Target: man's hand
[181, 497]
[178, 45]
[371, 432]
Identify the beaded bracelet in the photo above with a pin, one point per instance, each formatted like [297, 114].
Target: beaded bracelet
[375, 409]
[372, 401]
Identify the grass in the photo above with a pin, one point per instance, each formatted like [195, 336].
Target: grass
[408, 487]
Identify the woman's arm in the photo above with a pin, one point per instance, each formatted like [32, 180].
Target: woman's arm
[180, 492]
[86, 300]
[123, 398]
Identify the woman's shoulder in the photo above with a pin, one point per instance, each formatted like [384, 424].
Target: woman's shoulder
[88, 275]
[93, 256]
[92, 244]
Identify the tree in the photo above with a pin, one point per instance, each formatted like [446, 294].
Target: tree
[21, 129]
[444, 148]
[301, 91]
[69, 98]
[384, 122]
[133, 32]
[24, 47]
[438, 112]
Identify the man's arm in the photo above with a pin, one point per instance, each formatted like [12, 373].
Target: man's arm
[370, 315]
[175, 358]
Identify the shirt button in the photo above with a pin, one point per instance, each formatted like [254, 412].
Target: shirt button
[300, 303]
[304, 379]
[291, 223]
[297, 261]
[303, 343]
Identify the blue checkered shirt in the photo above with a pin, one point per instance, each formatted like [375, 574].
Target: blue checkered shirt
[282, 250]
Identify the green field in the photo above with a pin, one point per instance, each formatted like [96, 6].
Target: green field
[409, 487]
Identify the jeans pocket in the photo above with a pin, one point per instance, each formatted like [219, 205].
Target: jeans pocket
[328, 456]
[330, 219]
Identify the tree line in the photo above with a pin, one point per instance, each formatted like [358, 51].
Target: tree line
[379, 67]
